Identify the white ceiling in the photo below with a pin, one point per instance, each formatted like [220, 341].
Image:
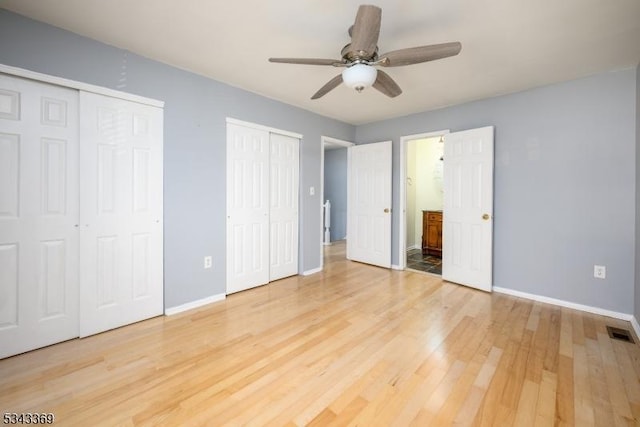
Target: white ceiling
[507, 45]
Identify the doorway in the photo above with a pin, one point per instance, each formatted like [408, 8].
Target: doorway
[424, 203]
[421, 201]
[333, 189]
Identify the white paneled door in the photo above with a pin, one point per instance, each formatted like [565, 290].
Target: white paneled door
[468, 208]
[121, 270]
[247, 208]
[262, 207]
[283, 210]
[38, 215]
[369, 204]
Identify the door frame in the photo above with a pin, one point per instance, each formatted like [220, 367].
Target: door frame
[402, 219]
[73, 84]
[263, 127]
[323, 141]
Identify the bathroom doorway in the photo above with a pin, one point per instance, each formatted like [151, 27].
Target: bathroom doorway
[423, 208]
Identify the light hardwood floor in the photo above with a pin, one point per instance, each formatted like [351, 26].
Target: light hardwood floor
[353, 345]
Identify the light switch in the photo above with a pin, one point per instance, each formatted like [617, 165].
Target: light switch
[312, 191]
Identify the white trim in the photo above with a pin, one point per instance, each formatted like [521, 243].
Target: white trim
[265, 128]
[321, 263]
[396, 267]
[402, 220]
[59, 81]
[337, 141]
[194, 304]
[312, 271]
[636, 326]
[567, 304]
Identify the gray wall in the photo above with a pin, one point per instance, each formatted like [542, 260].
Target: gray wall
[565, 174]
[194, 144]
[637, 234]
[565, 178]
[335, 190]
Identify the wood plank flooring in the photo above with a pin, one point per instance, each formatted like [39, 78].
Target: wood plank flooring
[353, 345]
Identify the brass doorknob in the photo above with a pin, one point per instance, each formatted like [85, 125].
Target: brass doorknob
[386, 210]
[486, 216]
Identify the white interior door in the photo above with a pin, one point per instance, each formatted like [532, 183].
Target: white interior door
[467, 251]
[38, 215]
[247, 207]
[283, 211]
[120, 212]
[369, 204]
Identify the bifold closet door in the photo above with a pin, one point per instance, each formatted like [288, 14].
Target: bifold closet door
[283, 206]
[247, 208]
[121, 257]
[38, 215]
[262, 207]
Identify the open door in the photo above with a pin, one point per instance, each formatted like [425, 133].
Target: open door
[467, 235]
[369, 204]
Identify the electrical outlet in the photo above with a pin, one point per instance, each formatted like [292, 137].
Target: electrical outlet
[208, 262]
[599, 271]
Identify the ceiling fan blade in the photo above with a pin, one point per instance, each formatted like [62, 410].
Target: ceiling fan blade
[385, 84]
[416, 55]
[306, 61]
[365, 31]
[331, 84]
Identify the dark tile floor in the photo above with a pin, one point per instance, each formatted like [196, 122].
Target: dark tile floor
[428, 263]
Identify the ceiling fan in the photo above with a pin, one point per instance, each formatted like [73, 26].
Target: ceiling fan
[360, 57]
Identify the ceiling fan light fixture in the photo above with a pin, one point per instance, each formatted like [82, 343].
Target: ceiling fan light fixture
[359, 76]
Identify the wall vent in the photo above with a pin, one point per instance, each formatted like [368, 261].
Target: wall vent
[620, 334]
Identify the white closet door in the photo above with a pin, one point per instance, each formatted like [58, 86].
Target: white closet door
[38, 215]
[121, 256]
[283, 212]
[247, 208]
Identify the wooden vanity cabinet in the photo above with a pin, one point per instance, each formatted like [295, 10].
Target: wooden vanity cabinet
[432, 233]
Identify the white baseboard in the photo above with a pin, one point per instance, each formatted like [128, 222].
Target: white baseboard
[567, 304]
[194, 304]
[636, 326]
[396, 267]
[413, 247]
[313, 271]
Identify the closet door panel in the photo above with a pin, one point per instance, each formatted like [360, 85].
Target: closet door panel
[121, 213]
[247, 208]
[38, 214]
[283, 210]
